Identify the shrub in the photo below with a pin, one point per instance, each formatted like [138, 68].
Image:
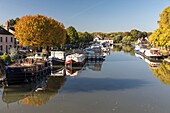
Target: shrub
[6, 58]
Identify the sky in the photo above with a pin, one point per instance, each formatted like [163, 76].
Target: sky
[90, 15]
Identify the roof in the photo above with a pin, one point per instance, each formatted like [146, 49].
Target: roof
[12, 28]
[4, 32]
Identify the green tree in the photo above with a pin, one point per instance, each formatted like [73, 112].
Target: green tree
[85, 37]
[73, 35]
[136, 34]
[12, 22]
[6, 58]
[127, 39]
[117, 39]
[39, 31]
[161, 36]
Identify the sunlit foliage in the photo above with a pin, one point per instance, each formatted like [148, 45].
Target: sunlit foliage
[161, 36]
[39, 31]
[163, 73]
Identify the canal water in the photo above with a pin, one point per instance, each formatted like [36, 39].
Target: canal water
[122, 83]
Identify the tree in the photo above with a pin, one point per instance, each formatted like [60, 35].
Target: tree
[161, 36]
[136, 34]
[6, 58]
[73, 35]
[39, 31]
[85, 37]
[12, 22]
[127, 39]
[117, 39]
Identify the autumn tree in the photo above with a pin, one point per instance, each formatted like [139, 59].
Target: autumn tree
[161, 36]
[39, 31]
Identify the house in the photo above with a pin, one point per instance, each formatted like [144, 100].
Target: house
[97, 38]
[143, 40]
[103, 40]
[7, 40]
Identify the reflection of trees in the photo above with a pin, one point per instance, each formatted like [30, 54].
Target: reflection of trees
[41, 97]
[15, 93]
[116, 48]
[124, 48]
[163, 73]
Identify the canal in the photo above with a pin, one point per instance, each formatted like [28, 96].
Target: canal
[122, 83]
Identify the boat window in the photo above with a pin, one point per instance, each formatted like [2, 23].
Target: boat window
[15, 70]
[28, 69]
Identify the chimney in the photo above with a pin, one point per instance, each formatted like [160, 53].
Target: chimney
[7, 25]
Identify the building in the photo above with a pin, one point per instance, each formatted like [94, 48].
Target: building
[143, 40]
[103, 40]
[7, 40]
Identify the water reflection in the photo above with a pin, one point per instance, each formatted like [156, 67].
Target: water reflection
[15, 93]
[33, 94]
[74, 71]
[160, 70]
[94, 65]
[125, 48]
[44, 89]
[58, 71]
[41, 97]
[163, 73]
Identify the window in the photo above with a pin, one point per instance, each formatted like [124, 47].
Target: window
[11, 39]
[1, 47]
[1, 39]
[6, 39]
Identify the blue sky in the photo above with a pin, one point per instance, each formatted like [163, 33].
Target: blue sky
[91, 15]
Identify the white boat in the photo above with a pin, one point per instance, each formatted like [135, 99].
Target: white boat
[152, 64]
[139, 56]
[153, 53]
[96, 47]
[57, 58]
[105, 49]
[140, 48]
[92, 55]
[75, 60]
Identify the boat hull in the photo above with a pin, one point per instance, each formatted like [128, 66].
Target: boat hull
[73, 63]
[17, 75]
[56, 62]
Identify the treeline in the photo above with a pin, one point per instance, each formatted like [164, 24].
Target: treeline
[38, 30]
[124, 37]
[159, 38]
